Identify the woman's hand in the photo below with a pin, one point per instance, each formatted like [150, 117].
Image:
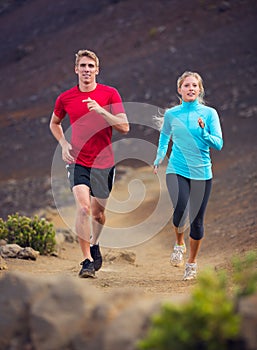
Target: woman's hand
[156, 164]
[155, 169]
[201, 123]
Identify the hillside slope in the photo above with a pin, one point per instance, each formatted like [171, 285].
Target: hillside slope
[143, 47]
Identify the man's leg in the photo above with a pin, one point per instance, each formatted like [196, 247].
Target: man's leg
[82, 224]
[98, 221]
[98, 217]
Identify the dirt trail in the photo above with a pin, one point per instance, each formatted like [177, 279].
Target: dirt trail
[151, 272]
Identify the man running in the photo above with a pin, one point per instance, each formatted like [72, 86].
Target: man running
[94, 110]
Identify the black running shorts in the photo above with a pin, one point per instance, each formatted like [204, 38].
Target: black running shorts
[99, 181]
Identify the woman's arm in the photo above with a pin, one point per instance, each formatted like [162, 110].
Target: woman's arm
[211, 132]
[163, 144]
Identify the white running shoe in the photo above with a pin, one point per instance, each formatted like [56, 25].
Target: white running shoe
[190, 272]
[177, 258]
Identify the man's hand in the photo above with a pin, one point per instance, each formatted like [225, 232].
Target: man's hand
[57, 131]
[66, 148]
[92, 105]
[118, 121]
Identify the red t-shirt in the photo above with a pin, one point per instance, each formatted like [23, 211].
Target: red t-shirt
[91, 134]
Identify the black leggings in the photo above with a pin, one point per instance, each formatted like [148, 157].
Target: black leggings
[189, 198]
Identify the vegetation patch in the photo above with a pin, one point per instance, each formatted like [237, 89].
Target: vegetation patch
[209, 321]
[35, 232]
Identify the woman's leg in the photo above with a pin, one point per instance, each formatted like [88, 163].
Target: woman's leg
[178, 188]
[199, 196]
[194, 249]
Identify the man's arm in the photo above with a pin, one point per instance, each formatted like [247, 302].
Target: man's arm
[57, 131]
[118, 121]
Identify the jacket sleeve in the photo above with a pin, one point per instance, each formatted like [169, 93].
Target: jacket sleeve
[212, 133]
[164, 140]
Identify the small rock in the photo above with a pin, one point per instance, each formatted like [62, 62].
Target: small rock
[124, 255]
[3, 242]
[10, 250]
[69, 236]
[28, 253]
[224, 6]
[3, 265]
[60, 238]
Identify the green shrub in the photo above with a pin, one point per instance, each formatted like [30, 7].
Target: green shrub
[245, 274]
[34, 232]
[207, 321]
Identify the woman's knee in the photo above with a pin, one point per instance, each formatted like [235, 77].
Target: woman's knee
[179, 217]
[197, 230]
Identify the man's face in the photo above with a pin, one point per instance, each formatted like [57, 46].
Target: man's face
[86, 70]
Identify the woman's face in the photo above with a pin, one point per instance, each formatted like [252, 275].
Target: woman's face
[189, 89]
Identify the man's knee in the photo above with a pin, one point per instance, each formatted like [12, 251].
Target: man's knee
[84, 210]
[99, 217]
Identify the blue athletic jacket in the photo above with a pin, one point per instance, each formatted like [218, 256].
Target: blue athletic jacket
[190, 154]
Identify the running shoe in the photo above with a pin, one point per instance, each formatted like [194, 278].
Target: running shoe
[87, 270]
[97, 256]
[177, 258]
[190, 271]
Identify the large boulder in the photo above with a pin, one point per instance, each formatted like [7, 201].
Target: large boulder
[62, 312]
[248, 312]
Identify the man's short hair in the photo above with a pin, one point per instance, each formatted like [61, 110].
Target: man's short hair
[87, 53]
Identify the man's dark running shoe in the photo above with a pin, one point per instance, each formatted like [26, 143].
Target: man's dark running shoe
[87, 270]
[97, 256]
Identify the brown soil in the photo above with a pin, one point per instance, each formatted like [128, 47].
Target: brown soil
[227, 235]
